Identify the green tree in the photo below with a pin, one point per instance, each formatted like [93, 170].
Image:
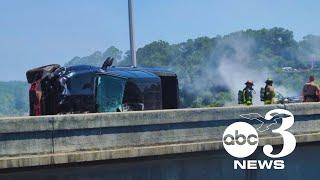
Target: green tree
[97, 58]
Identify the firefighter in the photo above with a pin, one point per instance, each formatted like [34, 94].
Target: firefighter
[310, 91]
[247, 93]
[269, 92]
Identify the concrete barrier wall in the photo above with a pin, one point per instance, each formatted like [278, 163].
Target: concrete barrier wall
[301, 164]
[32, 141]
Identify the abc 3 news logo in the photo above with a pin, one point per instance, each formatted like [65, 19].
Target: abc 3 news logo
[241, 139]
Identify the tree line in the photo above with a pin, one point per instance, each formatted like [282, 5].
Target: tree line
[210, 69]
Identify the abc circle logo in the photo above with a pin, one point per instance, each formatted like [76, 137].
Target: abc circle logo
[240, 139]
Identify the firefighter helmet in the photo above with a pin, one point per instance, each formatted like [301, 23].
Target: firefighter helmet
[249, 82]
[269, 80]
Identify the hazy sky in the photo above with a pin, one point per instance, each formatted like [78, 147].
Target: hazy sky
[40, 32]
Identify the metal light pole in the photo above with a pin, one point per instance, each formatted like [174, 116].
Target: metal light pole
[132, 34]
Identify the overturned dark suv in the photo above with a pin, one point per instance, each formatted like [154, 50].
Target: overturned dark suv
[88, 89]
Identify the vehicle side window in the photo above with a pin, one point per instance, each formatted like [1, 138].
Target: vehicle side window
[81, 84]
[109, 94]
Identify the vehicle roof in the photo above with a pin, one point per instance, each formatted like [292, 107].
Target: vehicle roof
[131, 73]
[155, 70]
[82, 68]
[126, 72]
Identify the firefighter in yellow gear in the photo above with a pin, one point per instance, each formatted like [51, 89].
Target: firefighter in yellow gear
[247, 93]
[269, 92]
[311, 91]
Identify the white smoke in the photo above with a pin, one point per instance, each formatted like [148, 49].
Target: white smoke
[232, 63]
[238, 68]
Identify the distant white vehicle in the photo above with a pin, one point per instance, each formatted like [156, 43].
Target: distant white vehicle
[289, 69]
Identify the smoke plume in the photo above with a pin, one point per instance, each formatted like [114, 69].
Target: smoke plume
[236, 64]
